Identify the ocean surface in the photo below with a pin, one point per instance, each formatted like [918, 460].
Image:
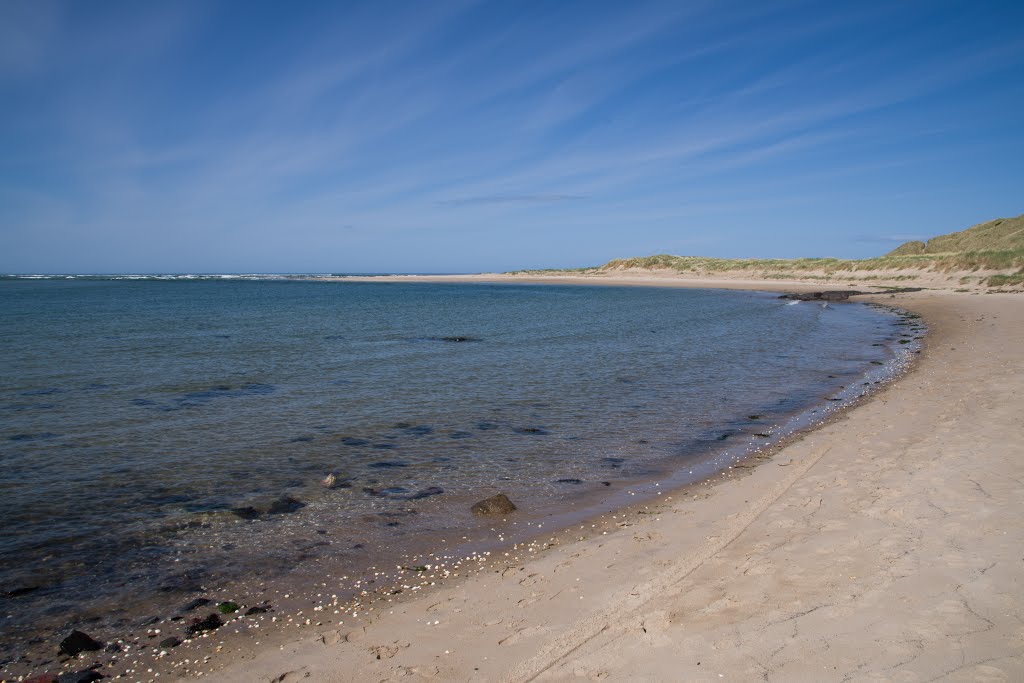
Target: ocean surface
[162, 437]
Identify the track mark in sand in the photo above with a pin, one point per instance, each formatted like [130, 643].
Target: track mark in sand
[291, 676]
[524, 634]
[591, 626]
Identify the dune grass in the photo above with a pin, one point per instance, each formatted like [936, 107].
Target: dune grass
[984, 249]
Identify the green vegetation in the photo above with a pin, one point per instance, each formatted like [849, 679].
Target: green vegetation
[553, 271]
[1016, 279]
[997, 245]
[228, 607]
[973, 260]
[1001, 235]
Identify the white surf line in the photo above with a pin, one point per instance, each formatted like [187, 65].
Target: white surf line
[593, 625]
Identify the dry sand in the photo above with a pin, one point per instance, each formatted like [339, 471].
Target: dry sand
[886, 545]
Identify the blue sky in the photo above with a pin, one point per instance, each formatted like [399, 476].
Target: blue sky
[466, 136]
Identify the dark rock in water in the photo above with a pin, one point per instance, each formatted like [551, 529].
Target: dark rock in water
[257, 609]
[606, 483]
[531, 430]
[18, 591]
[455, 339]
[419, 430]
[170, 642]
[495, 505]
[41, 392]
[285, 505]
[828, 295]
[569, 481]
[298, 439]
[247, 512]
[210, 623]
[387, 464]
[33, 437]
[753, 417]
[198, 602]
[877, 362]
[486, 426]
[763, 435]
[835, 399]
[84, 676]
[612, 463]
[353, 441]
[228, 607]
[78, 642]
[425, 493]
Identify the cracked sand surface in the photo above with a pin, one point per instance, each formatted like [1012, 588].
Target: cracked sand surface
[890, 548]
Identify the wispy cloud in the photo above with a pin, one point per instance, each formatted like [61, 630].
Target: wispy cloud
[512, 199]
[422, 124]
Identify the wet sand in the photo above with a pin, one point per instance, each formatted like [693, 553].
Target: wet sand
[884, 545]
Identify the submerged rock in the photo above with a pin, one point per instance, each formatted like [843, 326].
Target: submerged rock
[285, 505]
[425, 493]
[18, 591]
[495, 505]
[247, 512]
[79, 642]
[569, 481]
[198, 602]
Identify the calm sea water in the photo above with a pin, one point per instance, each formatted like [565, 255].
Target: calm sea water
[135, 415]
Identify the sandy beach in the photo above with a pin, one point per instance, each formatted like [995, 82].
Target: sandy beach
[884, 545]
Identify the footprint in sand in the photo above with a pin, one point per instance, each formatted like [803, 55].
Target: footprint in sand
[531, 579]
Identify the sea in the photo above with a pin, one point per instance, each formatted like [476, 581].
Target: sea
[165, 437]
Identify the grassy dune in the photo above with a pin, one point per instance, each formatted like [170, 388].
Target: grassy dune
[991, 253]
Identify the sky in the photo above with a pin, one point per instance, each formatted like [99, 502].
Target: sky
[468, 136]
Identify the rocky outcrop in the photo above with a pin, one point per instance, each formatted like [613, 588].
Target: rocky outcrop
[827, 295]
[495, 505]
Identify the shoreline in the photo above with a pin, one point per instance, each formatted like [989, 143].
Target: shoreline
[634, 604]
[316, 650]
